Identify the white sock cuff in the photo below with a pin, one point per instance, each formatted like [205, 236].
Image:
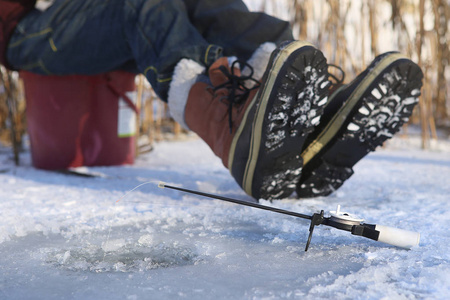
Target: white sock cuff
[184, 77]
[259, 60]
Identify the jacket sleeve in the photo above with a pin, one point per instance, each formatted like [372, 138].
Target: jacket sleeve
[11, 11]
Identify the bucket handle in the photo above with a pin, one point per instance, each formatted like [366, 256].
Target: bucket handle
[123, 95]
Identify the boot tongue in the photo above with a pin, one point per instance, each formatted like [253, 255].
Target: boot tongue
[217, 76]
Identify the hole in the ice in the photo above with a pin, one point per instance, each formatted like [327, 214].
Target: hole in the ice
[128, 258]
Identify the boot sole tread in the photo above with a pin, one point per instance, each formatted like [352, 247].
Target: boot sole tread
[280, 125]
[378, 114]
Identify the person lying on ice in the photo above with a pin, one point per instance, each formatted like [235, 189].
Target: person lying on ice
[262, 101]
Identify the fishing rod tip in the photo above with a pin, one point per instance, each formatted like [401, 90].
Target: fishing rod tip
[161, 184]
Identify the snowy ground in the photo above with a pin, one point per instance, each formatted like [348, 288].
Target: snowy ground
[65, 237]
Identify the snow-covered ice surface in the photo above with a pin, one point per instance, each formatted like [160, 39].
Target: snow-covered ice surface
[66, 237]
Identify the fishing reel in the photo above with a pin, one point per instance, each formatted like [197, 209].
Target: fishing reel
[345, 221]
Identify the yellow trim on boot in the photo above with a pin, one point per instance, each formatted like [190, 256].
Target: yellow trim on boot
[339, 118]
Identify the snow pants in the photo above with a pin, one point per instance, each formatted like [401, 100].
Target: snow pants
[143, 36]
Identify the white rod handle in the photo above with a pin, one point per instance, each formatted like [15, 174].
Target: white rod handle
[398, 237]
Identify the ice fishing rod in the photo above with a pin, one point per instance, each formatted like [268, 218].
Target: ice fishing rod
[339, 220]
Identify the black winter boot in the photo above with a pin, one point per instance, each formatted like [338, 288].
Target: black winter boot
[256, 131]
[358, 118]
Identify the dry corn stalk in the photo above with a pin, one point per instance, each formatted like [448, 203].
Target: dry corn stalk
[11, 97]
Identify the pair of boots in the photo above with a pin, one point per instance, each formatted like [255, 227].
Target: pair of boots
[276, 128]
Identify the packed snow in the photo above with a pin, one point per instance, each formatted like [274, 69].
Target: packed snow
[71, 237]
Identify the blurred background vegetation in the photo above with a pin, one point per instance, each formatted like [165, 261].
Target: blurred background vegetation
[350, 33]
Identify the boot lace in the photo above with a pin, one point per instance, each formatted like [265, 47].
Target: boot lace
[238, 92]
[336, 82]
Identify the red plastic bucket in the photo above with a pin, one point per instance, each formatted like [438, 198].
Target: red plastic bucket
[80, 120]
